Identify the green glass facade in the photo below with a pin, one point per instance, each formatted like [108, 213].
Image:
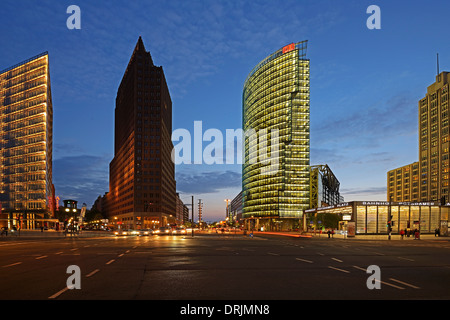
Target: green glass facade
[276, 107]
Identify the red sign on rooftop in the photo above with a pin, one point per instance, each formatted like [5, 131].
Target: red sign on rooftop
[289, 47]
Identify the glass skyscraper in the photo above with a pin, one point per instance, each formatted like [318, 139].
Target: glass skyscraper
[276, 123]
[26, 137]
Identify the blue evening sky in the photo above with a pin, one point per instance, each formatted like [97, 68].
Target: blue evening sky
[365, 84]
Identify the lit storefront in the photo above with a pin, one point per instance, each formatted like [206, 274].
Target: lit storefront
[372, 217]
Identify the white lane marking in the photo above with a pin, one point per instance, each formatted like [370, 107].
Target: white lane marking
[12, 264]
[404, 283]
[58, 293]
[408, 259]
[341, 270]
[338, 260]
[92, 273]
[389, 284]
[304, 260]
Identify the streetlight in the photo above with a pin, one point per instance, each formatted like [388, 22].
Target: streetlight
[227, 200]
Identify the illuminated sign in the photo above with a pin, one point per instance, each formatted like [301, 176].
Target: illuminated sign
[289, 48]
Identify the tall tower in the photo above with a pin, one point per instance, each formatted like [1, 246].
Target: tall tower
[434, 140]
[26, 138]
[142, 174]
[276, 108]
[427, 179]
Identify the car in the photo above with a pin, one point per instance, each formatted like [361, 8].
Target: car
[163, 231]
[125, 232]
[179, 231]
[145, 232]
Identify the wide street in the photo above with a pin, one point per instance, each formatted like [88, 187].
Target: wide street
[224, 267]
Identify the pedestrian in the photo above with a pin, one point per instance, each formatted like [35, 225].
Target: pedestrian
[402, 233]
[329, 233]
[436, 232]
[332, 233]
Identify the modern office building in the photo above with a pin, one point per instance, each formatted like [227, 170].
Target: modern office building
[434, 140]
[236, 206]
[428, 179]
[403, 183]
[26, 137]
[182, 211]
[142, 175]
[276, 102]
[324, 187]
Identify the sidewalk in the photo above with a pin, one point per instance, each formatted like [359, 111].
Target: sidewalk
[37, 233]
[357, 237]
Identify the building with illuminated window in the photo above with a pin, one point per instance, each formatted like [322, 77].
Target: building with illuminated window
[26, 138]
[142, 190]
[276, 123]
[428, 179]
[376, 217]
[403, 183]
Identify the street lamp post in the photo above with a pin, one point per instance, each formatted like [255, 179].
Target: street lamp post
[227, 200]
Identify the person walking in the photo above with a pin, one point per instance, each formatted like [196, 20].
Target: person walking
[402, 233]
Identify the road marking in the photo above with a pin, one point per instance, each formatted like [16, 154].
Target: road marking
[120, 255]
[304, 260]
[406, 259]
[110, 261]
[320, 254]
[92, 273]
[59, 252]
[389, 284]
[73, 249]
[359, 268]
[58, 293]
[41, 257]
[12, 264]
[404, 283]
[335, 259]
[273, 254]
[342, 270]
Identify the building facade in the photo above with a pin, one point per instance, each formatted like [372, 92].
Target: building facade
[428, 179]
[375, 217]
[434, 140]
[236, 206]
[403, 183]
[324, 187]
[276, 123]
[142, 190]
[26, 136]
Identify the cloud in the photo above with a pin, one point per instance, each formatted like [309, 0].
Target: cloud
[369, 126]
[369, 193]
[82, 178]
[207, 182]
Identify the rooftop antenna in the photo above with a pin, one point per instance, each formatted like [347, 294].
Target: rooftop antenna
[438, 66]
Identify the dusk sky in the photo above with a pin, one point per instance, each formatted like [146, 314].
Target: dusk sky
[365, 84]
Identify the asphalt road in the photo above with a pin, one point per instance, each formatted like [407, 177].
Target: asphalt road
[223, 267]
